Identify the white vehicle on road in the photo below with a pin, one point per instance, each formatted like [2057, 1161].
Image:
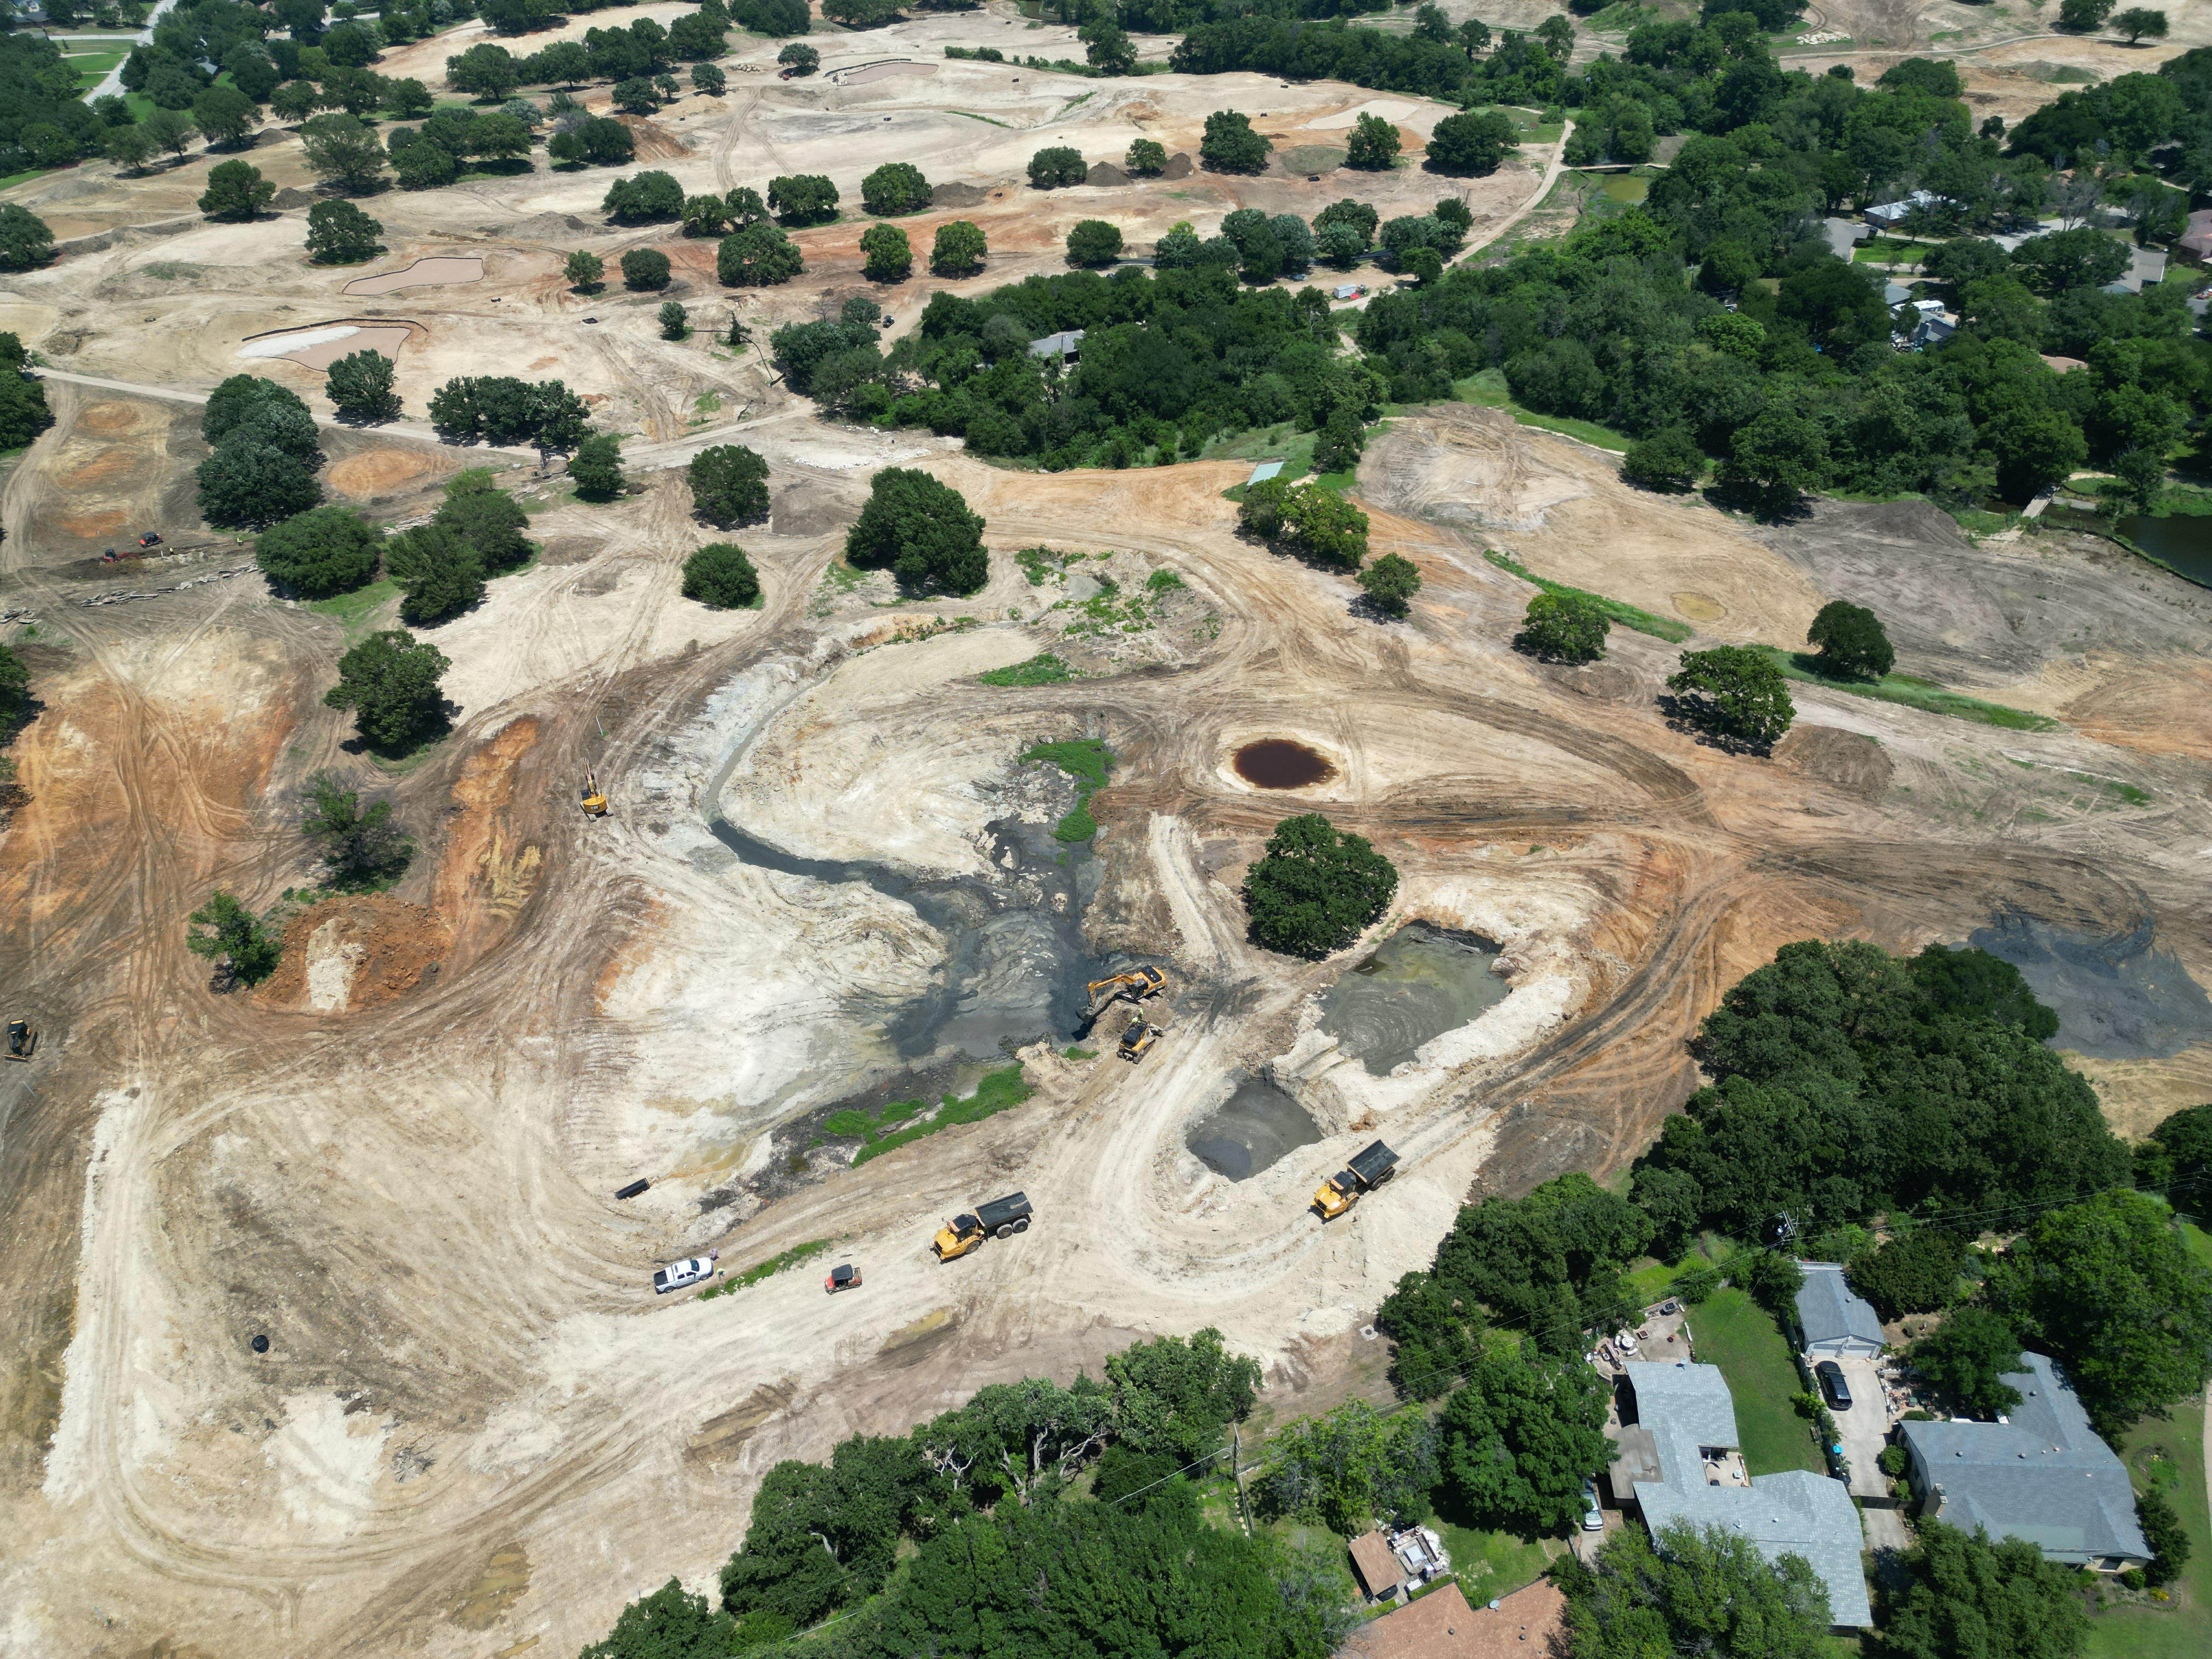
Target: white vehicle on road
[689, 1270]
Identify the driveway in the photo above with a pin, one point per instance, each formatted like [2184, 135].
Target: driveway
[1865, 1427]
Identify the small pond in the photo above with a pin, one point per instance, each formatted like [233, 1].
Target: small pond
[1279, 763]
[1255, 1127]
[1625, 186]
[1422, 981]
[2183, 540]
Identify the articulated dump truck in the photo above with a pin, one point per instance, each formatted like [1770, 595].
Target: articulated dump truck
[1002, 1218]
[1369, 1169]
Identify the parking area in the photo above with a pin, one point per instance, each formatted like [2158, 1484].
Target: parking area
[1865, 1426]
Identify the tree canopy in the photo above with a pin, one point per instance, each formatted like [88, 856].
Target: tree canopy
[1852, 641]
[1315, 888]
[247, 951]
[729, 484]
[1688, 1591]
[1521, 1436]
[1736, 692]
[390, 680]
[923, 532]
[1565, 628]
[323, 551]
[2002, 1600]
[720, 577]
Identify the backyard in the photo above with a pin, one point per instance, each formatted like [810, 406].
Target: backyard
[2167, 1452]
[1731, 1331]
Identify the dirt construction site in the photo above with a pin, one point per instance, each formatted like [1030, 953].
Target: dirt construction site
[829, 881]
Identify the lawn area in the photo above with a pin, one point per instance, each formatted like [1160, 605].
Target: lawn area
[1914, 693]
[354, 609]
[1891, 249]
[1492, 1564]
[2170, 1454]
[1734, 1332]
[1660, 627]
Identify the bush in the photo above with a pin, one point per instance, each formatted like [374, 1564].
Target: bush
[597, 468]
[323, 551]
[895, 187]
[721, 578]
[1094, 242]
[1894, 1460]
[1147, 157]
[362, 848]
[1057, 165]
[923, 531]
[1565, 628]
[250, 954]
[759, 256]
[675, 321]
[1316, 889]
[729, 484]
[390, 682]
[959, 250]
[644, 268]
[1853, 644]
[1733, 692]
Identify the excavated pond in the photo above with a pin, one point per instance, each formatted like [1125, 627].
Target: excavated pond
[1255, 1127]
[1422, 981]
[1279, 763]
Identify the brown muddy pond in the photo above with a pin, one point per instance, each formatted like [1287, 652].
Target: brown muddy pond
[1279, 763]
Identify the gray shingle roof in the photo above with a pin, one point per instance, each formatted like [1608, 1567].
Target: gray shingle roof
[1688, 1408]
[2044, 1476]
[1827, 1308]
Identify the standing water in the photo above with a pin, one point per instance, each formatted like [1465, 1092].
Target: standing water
[1279, 763]
[1253, 1128]
[1421, 982]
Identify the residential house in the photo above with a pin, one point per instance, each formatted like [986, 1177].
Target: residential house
[1893, 214]
[2041, 1474]
[1529, 1624]
[1376, 1567]
[1066, 345]
[2197, 241]
[1681, 1460]
[1837, 1322]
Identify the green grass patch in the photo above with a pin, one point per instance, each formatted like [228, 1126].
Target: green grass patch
[1046, 669]
[1491, 1564]
[2167, 1453]
[1164, 581]
[1488, 390]
[972, 116]
[1890, 251]
[1039, 562]
[1080, 1053]
[354, 609]
[1628, 615]
[1733, 1332]
[1086, 760]
[1916, 693]
[882, 1130]
[767, 1269]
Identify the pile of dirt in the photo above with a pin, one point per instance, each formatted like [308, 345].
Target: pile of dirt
[1105, 172]
[376, 471]
[2118, 996]
[1857, 765]
[958, 196]
[653, 142]
[356, 951]
[540, 227]
[1178, 166]
[292, 197]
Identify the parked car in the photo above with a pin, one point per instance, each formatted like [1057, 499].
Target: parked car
[689, 1270]
[1832, 1385]
[1592, 1516]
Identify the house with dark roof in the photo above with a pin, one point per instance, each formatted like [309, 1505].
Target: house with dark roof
[1837, 1322]
[2040, 1474]
[1681, 1460]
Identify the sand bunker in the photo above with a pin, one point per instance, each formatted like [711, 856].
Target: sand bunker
[861, 77]
[319, 348]
[440, 270]
[1389, 108]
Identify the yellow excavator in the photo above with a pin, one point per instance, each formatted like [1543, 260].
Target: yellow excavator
[594, 797]
[1136, 986]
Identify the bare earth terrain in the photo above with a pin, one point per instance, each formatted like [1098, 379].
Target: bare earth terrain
[826, 873]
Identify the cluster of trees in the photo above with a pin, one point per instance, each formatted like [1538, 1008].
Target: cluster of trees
[440, 567]
[363, 850]
[23, 411]
[921, 532]
[1169, 359]
[1799, 387]
[1315, 888]
[244, 949]
[1003, 1555]
[1298, 38]
[502, 409]
[728, 483]
[266, 451]
[437, 152]
[1309, 519]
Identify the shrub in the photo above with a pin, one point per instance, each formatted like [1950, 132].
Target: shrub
[1894, 1460]
[1057, 165]
[249, 952]
[442, 574]
[721, 578]
[1669, 462]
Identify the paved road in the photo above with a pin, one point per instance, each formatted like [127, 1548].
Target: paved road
[113, 80]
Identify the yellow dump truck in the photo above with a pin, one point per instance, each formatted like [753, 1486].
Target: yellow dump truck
[1002, 1218]
[1368, 1170]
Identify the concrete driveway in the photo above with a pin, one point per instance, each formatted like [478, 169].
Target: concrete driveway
[1865, 1427]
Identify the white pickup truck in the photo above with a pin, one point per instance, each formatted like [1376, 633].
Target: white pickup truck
[689, 1270]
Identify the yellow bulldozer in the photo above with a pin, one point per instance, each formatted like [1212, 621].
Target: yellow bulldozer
[1136, 986]
[1141, 1034]
[595, 800]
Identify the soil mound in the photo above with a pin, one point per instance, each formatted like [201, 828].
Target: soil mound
[1856, 765]
[292, 197]
[540, 227]
[1105, 172]
[1178, 166]
[353, 952]
[376, 471]
[806, 510]
[958, 196]
[654, 142]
